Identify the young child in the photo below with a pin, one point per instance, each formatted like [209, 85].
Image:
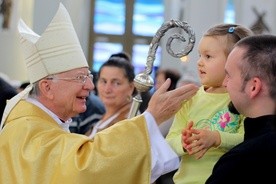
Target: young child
[217, 129]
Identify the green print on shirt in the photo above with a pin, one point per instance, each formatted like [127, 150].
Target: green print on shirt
[223, 121]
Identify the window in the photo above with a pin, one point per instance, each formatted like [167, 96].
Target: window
[124, 25]
[102, 50]
[148, 17]
[139, 57]
[109, 14]
[229, 16]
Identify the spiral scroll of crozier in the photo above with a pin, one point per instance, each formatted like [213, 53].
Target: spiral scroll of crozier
[143, 81]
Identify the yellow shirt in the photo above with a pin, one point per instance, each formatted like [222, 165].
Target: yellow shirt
[34, 149]
[207, 111]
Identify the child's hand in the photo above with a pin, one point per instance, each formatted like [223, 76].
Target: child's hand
[186, 134]
[200, 140]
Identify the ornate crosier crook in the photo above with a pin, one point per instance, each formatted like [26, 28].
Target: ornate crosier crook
[143, 81]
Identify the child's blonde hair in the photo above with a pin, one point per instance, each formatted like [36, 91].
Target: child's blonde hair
[233, 33]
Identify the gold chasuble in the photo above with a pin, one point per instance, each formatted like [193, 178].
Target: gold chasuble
[35, 150]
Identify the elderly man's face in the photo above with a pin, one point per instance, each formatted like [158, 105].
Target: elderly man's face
[70, 91]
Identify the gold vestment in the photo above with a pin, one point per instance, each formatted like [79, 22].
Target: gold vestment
[34, 149]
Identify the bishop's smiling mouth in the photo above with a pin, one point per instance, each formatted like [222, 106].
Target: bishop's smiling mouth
[202, 72]
[82, 97]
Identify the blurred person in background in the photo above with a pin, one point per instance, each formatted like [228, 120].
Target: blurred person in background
[22, 86]
[188, 78]
[116, 89]
[7, 91]
[162, 74]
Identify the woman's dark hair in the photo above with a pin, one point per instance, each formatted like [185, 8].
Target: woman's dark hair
[121, 55]
[121, 60]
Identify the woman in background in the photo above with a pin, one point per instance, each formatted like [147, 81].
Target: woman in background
[115, 89]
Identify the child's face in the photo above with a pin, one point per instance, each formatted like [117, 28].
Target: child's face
[212, 59]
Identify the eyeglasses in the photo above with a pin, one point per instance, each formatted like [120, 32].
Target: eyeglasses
[80, 78]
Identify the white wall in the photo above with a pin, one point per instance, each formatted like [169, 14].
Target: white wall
[246, 16]
[200, 15]
[79, 11]
[12, 61]
[37, 15]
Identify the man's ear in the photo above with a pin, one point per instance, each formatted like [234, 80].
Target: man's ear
[45, 88]
[255, 87]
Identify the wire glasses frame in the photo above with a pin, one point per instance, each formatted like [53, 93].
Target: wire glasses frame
[80, 78]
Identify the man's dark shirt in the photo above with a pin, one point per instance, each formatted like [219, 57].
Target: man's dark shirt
[252, 161]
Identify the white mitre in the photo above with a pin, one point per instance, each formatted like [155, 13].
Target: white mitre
[56, 50]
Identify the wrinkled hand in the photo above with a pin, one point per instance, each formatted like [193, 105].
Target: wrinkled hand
[164, 104]
[198, 141]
